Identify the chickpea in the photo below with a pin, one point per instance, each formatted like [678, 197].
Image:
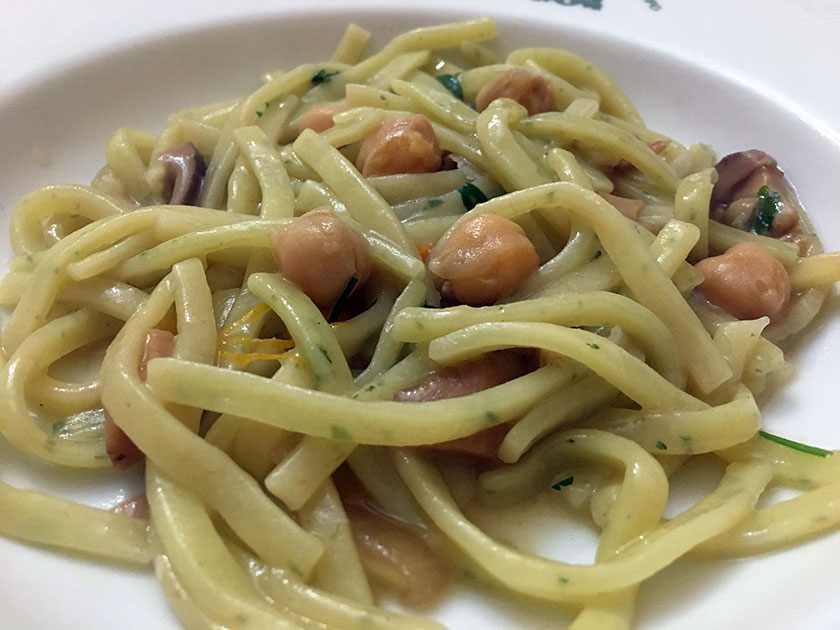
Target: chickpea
[400, 145]
[319, 253]
[530, 90]
[746, 281]
[484, 259]
[319, 119]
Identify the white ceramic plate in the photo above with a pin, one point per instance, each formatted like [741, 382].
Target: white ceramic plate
[54, 130]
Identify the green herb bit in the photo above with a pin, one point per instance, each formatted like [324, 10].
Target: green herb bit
[568, 481]
[471, 196]
[797, 446]
[338, 432]
[324, 352]
[453, 84]
[262, 110]
[769, 205]
[594, 346]
[597, 255]
[342, 300]
[322, 76]
[661, 446]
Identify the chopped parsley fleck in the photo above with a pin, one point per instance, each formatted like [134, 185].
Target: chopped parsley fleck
[594, 346]
[262, 110]
[434, 203]
[342, 300]
[326, 354]
[471, 196]
[661, 446]
[797, 446]
[452, 83]
[597, 255]
[339, 433]
[769, 205]
[568, 481]
[322, 76]
[492, 417]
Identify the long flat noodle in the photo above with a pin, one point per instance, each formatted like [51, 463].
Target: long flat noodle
[127, 155]
[103, 261]
[722, 237]
[691, 204]
[201, 560]
[47, 520]
[621, 144]
[63, 399]
[18, 424]
[561, 582]
[194, 463]
[644, 482]
[512, 165]
[576, 401]
[186, 609]
[326, 415]
[362, 200]
[309, 465]
[428, 38]
[790, 466]
[300, 474]
[225, 152]
[440, 105]
[818, 270]
[809, 515]
[277, 196]
[50, 276]
[687, 432]
[352, 126]
[155, 262]
[576, 69]
[340, 571]
[388, 347]
[643, 276]
[595, 308]
[312, 335]
[26, 222]
[330, 610]
[633, 377]
[351, 46]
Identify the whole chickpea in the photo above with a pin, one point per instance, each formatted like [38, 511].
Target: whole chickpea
[484, 259]
[746, 281]
[530, 90]
[319, 118]
[400, 145]
[319, 253]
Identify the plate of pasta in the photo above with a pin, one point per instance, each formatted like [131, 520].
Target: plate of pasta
[378, 319]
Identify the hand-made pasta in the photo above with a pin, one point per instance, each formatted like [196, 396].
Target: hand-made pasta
[375, 274]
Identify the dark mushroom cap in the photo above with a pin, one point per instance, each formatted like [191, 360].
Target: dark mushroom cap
[185, 169]
[736, 169]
